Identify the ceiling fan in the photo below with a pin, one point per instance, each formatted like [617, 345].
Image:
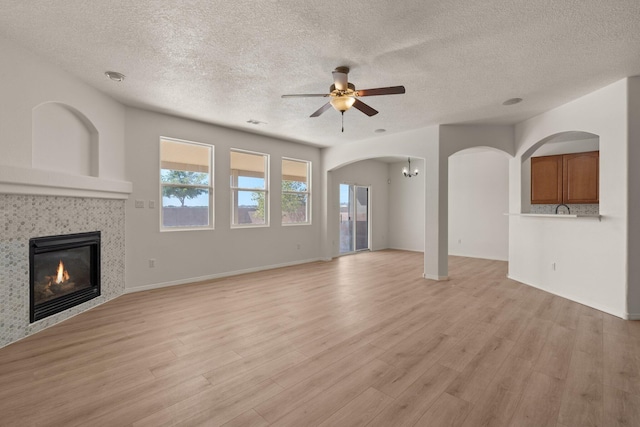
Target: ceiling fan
[344, 95]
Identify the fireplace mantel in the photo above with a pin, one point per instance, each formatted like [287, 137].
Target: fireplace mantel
[16, 180]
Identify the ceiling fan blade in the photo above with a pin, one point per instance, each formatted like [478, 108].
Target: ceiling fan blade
[321, 110]
[393, 90]
[340, 79]
[365, 108]
[306, 95]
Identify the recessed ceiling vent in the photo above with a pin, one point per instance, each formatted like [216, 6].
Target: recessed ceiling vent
[512, 101]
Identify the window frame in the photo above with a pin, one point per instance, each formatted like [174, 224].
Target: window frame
[307, 192]
[210, 188]
[234, 189]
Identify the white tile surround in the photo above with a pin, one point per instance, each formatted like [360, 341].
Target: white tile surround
[25, 216]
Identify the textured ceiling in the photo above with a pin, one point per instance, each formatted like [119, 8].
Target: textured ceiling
[226, 62]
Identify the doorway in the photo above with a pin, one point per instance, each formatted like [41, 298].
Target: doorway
[354, 218]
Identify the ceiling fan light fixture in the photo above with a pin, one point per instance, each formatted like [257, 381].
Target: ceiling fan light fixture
[342, 102]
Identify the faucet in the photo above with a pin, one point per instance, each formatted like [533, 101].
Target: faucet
[562, 204]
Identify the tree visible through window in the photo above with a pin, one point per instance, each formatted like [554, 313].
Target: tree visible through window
[296, 191]
[189, 179]
[249, 188]
[186, 184]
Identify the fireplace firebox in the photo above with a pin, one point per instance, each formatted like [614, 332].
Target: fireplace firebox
[64, 271]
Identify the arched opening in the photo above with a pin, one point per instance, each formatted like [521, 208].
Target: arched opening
[478, 198]
[560, 174]
[64, 140]
[373, 206]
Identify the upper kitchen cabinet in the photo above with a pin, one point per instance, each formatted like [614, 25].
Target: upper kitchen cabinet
[567, 178]
[546, 180]
[580, 176]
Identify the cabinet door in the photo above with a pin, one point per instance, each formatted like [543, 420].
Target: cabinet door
[580, 178]
[546, 180]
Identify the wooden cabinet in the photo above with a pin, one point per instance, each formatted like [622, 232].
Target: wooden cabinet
[566, 178]
[546, 180]
[580, 176]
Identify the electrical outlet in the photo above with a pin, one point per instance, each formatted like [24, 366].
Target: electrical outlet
[152, 263]
[553, 266]
[299, 245]
[139, 204]
[152, 204]
[459, 241]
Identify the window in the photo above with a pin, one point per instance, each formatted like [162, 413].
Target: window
[186, 185]
[296, 196]
[249, 188]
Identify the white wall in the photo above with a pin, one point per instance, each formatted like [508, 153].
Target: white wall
[184, 256]
[552, 148]
[406, 207]
[633, 303]
[590, 256]
[434, 144]
[422, 143]
[478, 200]
[370, 173]
[29, 81]
[26, 82]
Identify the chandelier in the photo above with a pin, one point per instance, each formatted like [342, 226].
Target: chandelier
[407, 172]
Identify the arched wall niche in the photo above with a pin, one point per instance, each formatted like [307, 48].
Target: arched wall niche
[565, 142]
[64, 140]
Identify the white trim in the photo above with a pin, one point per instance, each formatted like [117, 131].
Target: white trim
[395, 248]
[217, 276]
[479, 257]
[234, 189]
[211, 208]
[633, 316]
[435, 277]
[599, 307]
[308, 192]
[17, 180]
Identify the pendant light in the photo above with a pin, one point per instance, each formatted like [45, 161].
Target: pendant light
[407, 172]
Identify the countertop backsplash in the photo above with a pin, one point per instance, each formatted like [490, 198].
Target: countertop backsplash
[590, 209]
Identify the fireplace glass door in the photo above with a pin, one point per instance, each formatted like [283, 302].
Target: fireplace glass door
[64, 272]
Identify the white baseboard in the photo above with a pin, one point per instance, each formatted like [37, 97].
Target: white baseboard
[478, 257]
[217, 276]
[395, 248]
[633, 316]
[435, 277]
[599, 307]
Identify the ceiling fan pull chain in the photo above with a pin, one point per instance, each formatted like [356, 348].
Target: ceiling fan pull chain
[342, 121]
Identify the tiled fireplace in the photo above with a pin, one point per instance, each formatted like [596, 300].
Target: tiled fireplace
[64, 271]
[25, 217]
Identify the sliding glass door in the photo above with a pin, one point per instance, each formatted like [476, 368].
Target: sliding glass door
[354, 218]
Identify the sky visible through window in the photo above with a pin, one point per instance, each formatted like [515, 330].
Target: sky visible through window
[203, 199]
[344, 194]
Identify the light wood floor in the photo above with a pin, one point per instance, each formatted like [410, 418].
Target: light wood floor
[361, 340]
